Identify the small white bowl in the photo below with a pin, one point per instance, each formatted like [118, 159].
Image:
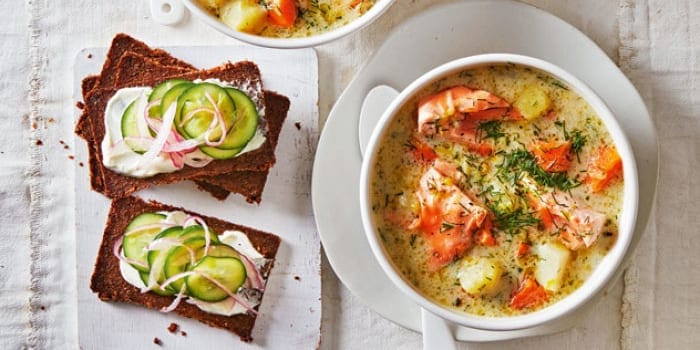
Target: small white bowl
[598, 279]
[290, 43]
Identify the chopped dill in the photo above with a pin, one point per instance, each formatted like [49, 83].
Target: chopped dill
[490, 130]
[519, 161]
[576, 137]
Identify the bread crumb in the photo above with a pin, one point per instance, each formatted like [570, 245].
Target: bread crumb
[51, 120]
[71, 157]
[39, 142]
[81, 164]
[183, 333]
[298, 125]
[89, 55]
[34, 125]
[296, 277]
[80, 104]
[173, 328]
[157, 341]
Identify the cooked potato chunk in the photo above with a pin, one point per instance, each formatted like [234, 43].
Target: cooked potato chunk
[244, 15]
[533, 102]
[480, 276]
[551, 267]
[212, 4]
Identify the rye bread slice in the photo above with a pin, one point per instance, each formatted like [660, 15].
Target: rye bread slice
[81, 127]
[123, 43]
[117, 185]
[133, 52]
[250, 184]
[109, 285]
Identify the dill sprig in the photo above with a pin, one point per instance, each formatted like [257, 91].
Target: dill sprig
[511, 221]
[519, 161]
[576, 137]
[490, 130]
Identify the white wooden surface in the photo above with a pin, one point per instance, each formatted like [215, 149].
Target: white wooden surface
[656, 42]
[290, 314]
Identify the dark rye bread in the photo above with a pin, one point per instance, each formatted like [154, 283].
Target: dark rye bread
[117, 185]
[81, 127]
[123, 43]
[109, 285]
[250, 184]
[92, 83]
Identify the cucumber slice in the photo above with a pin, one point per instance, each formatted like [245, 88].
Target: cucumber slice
[130, 127]
[156, 260]
[195, 98]
[230, 272]
[220, 153]
[198, 231]
[134, 244]
[145, 219]
[172, 95]
[158, 93]
[180, 259]
[221, 251]
[245, 123]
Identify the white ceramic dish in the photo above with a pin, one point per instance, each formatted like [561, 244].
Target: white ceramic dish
[601, 275]
[170, 12]
[521, 29]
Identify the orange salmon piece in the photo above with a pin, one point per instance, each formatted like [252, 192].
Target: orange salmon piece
[449, 218]
[552, 156]
[529, 294]
[604, 167]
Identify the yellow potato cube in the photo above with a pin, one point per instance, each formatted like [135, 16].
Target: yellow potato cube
[480, 276]
[551, 266]
[213, 4]
[533, 102]
[244, 15]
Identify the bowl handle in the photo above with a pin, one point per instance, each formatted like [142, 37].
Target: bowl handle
[436, 332]
[167, 12]
[376, 102]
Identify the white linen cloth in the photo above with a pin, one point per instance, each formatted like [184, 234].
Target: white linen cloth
[657, 42]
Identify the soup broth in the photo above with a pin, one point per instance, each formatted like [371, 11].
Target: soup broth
[496, 191]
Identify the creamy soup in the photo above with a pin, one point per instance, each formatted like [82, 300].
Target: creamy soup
[497, 191]
[287, 18]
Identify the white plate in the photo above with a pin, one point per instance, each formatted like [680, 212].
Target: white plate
[290, 314]
[427, 40]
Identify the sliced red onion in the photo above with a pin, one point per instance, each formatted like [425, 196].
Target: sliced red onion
[163, 243]
[191, 114]
[234, 296]
[178, 276]
[161, 137]
[217, 120]
[187, 145]
[175, 302]
[178, 159]
[253, 274]
[197, 162]
[190, 220]
[116, 250]
[154, 124]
